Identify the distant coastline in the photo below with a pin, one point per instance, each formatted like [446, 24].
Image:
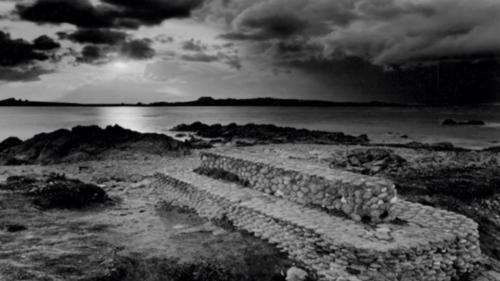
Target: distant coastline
[209, 101]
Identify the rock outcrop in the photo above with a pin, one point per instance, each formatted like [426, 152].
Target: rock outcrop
[251, 134]
[451, 122]
[83, 143]
[9, 142]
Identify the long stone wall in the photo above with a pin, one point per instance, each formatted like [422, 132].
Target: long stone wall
[357, 196]
[430, 244]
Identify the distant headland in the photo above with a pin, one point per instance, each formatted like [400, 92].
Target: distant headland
[207, 101]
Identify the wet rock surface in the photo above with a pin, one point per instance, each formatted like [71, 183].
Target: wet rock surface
[83, 143]
[251, 134]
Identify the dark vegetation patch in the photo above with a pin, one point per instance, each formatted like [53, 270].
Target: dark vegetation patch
[464, 183]
[84, 256]
[238, 254]
[464, 190]
[467, 191]
[83, 143]
[56, 191]
[438, 146]
[460, 182]
[135, 268]
[220, 174]
[267, 134]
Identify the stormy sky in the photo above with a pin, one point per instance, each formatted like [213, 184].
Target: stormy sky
[415, 51]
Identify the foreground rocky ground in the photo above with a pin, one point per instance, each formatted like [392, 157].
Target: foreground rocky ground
[130, 236]
[120, 231]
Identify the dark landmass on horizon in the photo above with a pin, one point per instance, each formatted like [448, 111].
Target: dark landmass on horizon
[209, 101]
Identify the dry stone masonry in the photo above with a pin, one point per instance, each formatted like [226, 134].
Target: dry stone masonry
[358, 196]
[426, 243]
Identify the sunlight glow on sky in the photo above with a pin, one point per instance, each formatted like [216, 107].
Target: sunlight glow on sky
[346, 50]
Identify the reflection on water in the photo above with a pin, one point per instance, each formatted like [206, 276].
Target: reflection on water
[381, 124]
[134, 118]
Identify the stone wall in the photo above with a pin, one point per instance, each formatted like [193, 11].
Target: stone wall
[431, 244]
[357, 196]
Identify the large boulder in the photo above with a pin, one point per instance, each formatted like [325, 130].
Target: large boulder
[296, 274]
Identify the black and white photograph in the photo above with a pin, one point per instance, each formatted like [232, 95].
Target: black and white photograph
[249, 140]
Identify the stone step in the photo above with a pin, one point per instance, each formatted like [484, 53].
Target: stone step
[357, 196]
[430, 245]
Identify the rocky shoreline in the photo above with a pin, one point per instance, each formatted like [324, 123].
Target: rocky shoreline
[84, 143]
[82, 195]
[252, 134]
[200, 136]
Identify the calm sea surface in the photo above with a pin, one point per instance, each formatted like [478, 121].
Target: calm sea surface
[382, 124]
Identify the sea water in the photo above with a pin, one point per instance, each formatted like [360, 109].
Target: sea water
[381, 124]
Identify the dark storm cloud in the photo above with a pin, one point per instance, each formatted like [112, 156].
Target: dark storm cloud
[45, 43]
[137, 49]
[194, 45]
[267, 27]
[21, 74]
[151, 12]
[15, 52]
[78, 12]
[384, 32]
[449, 82]
[200, 57]
[231, 60]
[93, 54]
[162, 38]
[391, 47]
[112, 13]
[95, 36]
[234, 63]
[18, 57]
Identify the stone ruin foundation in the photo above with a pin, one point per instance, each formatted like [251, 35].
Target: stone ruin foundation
[340, 225]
